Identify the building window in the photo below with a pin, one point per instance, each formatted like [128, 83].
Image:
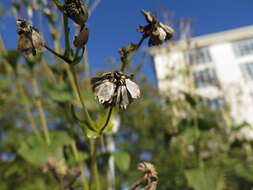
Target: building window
[199, 56]
[243, 48]
[205, 78]
[247, 70]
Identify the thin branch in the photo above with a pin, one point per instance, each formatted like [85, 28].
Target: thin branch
[129, 57]
[57, 54]
[107, 120]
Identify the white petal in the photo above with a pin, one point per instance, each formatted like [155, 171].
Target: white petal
[118, 95]
[162, 34]
[124, 101]
[105, 91]
[133, 89]
[167, 29]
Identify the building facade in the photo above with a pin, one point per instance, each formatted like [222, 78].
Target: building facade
[221, 66]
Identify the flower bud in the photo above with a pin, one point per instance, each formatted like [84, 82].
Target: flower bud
[82, 38]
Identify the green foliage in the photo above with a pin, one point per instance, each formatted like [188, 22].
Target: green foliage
[122, 160]
[205, 178]
[60, 92]
[38, 152]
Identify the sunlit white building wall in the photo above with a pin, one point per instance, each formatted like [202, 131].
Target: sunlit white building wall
[222, 69]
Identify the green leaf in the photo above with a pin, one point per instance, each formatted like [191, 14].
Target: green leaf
[38, 152]
[101, 121]
[88, 130]
[122, 160]
[245, 172]
[205, 178]
[60, 92]
[191, 134]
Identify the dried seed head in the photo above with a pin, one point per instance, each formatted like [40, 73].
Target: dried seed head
[115, 89]
[76, 10]
[157, 31]
[148, 168]
[149, 16]
[82, 39]
[30, 40]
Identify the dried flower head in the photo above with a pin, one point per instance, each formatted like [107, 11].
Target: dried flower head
[115, 89]
[82, 38]
[30, 40]
[148, 169]
[157, 31]
[76, 10]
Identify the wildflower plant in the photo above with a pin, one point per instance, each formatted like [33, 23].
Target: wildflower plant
[113, 90]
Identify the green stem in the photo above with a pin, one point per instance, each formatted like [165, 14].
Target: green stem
[66, 36]
[58, 4]
[64, 58]
[27, 108]
[123, 67]
[77, 87]
[109, 114]
[80, 165]
[130, 56]
[93, 168]
[40, 108]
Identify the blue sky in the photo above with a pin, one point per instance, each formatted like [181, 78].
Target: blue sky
[114, 22]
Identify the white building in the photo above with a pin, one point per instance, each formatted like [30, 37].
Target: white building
[222, 68]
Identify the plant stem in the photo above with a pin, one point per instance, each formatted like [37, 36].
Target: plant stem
[137, 183]
[109, 114]
[130, 56]
[80, 165]
[39, 105]
[93, 168]
[123, 67]
[58, 4]
[64, 58]
[77, 87]
[27, 108]
[66, 36]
